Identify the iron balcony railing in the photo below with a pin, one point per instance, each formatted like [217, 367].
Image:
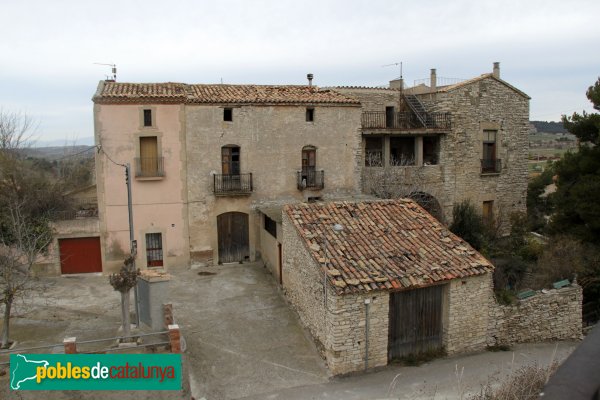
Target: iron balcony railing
[491, 166]
[405, 120]
[232, 185]
[310, 179]
[149, 167]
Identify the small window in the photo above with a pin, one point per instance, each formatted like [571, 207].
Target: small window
[147, 117]
[154, 250]
[228, 114]
[488, 212]
[271, 226]
[310, 114]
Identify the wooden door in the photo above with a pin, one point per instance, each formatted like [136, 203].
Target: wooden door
[415, 324]
[80, 255]
[149, 156]
[230, 160]
[232, 231]
[309, 163]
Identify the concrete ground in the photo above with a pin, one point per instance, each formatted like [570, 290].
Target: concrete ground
[242, 338]
[243, 341]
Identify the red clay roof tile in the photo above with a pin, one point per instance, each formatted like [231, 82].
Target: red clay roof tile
[385, 244]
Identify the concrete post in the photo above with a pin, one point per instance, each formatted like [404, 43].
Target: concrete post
[168, 314]
[175, 338]
[70, 344]
[419, 151]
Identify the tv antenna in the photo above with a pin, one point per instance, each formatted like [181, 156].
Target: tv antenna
[114, 70]
[395, 65]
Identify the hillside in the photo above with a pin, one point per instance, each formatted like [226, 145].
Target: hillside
[549, 127]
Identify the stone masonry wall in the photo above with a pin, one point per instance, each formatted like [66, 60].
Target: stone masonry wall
[346, 323]
[340, 329]
[303, 283]
[466, 312]
[555, 315]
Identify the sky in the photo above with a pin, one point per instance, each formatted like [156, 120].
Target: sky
[48, 49]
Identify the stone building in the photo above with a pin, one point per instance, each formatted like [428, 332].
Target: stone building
[212, 165]
[442, 144]
[206, 158]
[383, 276]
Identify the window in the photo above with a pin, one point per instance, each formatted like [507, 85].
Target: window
[149, 164]
[488, 212]
[310, 114]
[488, 161]
[374, 152]
[230, 160]
[154, 252]
[270, 226]
[402, 151]
[431, 150]
[147, 117]
[228, 114]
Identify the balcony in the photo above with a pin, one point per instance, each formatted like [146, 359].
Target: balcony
[406, 120]
[232, 185]
[310, 179]
[149, 167]
[491, 166]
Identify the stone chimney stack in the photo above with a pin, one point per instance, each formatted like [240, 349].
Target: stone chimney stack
[496, 73]
[433, 80]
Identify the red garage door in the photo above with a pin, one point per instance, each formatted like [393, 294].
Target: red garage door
[80, 255]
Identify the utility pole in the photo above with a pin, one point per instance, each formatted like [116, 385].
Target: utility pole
[132, 244]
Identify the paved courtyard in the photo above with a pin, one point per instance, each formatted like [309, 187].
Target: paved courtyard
[243, 341]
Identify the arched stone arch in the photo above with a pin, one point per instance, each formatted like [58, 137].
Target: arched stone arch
[429, 203]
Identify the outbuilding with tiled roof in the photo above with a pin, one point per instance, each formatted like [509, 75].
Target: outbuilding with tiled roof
[386, 275]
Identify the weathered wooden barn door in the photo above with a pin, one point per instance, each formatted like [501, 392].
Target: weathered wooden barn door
[232, 230]
[415, 321]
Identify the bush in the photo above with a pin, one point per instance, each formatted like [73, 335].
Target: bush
[468, 224]
[523, 384]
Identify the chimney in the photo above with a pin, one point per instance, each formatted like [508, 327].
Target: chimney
[433, 80]
[310, 78]
[496, 73]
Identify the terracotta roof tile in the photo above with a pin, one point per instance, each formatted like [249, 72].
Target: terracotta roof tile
[385, 244]
[120, 92]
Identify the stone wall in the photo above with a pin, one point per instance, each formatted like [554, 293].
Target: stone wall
[271, 139]
[555, 315]
[339, 329]
[481, 104]
[303, 284]
[346, 323]
[466, 314]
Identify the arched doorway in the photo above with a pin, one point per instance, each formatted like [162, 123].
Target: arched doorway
[429, 203]
[232, 231]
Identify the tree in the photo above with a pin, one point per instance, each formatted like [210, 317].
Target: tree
[122, 282]
[468, 224]
[577, 211]
[26, 199]
[586, 126]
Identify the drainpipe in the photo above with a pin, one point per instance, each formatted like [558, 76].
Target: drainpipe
[367, 303]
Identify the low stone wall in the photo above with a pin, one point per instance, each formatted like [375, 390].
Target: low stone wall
[555, 315]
